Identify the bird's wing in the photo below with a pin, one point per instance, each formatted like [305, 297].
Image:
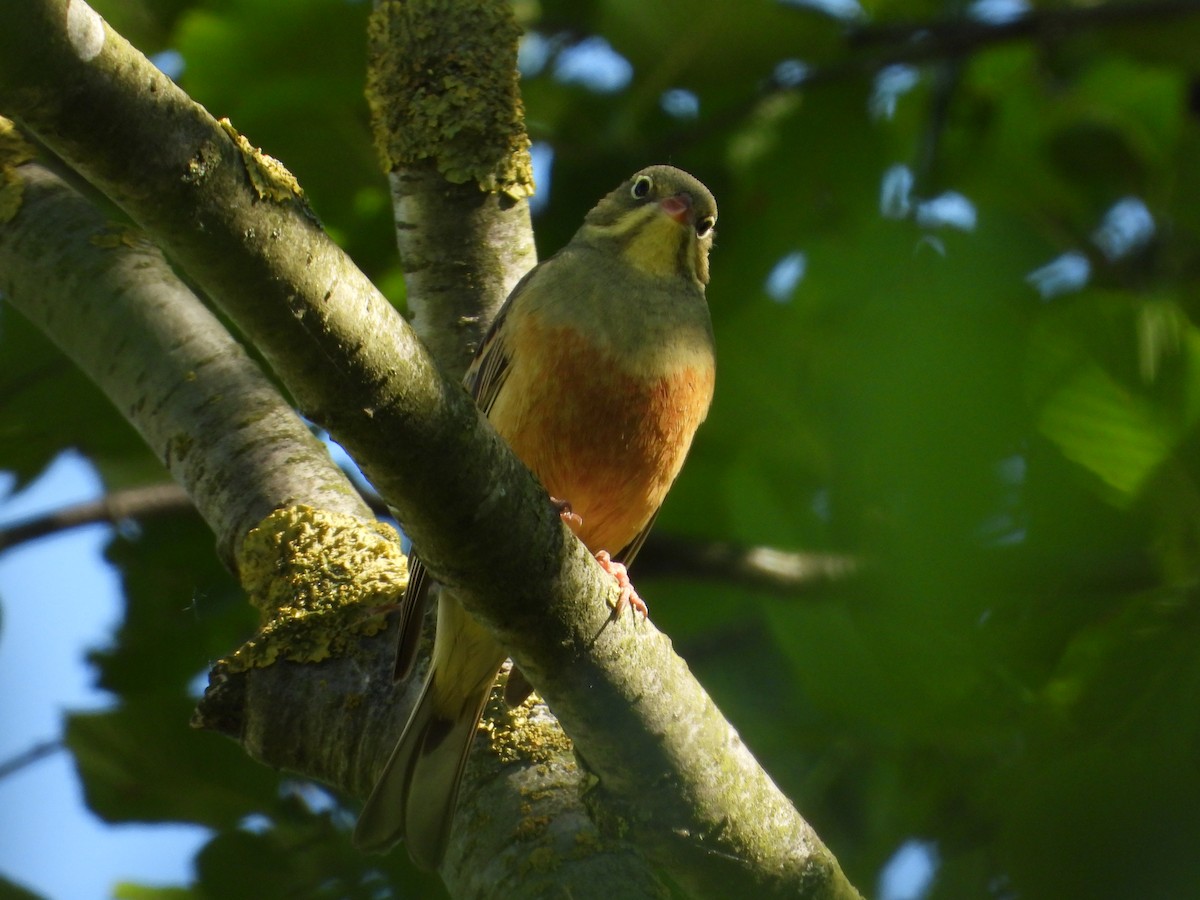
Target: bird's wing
[489, 368]
[412, 617]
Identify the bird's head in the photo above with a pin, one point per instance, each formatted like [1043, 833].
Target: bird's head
[660, 220]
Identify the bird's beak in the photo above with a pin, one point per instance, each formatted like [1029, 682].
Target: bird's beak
[677, 207]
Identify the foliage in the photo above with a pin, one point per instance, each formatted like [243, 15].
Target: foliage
[1014, 674]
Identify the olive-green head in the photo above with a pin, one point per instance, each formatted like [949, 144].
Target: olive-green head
[660, 220]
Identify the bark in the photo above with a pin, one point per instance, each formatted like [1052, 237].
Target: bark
[110, 301]
[449, 126]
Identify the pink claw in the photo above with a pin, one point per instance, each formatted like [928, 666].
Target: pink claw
[628, 595]
[565, 512]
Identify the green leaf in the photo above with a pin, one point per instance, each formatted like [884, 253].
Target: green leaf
[1106, 429]
[183, 609]
[142, 762]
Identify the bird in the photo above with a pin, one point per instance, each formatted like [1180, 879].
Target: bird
[597, 371]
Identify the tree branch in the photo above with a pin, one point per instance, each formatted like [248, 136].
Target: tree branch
[872, 48]
[29, 756]
[109, 299]
[663, 555]
[947, 38]
[146, 502]
[766, 568]
[449, 126]
[112, 303]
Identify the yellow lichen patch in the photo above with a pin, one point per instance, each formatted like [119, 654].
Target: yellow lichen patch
[518, 734]
[14, 150]
[442, 86]
[530, 827]
[268, 176]
[320, 579]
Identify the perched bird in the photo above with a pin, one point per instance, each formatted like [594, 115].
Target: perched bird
[597, 371]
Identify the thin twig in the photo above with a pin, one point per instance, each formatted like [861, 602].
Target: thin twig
[871, 48]
[149, 501]
[25, 758]
[957, 36]
[767, 568]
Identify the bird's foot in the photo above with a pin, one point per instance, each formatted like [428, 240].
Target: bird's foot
[629, 597]
[563, 507]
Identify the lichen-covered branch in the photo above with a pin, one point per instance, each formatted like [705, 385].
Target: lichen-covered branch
[450, 131]
[108, 298]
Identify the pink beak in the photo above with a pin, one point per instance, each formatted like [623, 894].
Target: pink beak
[677, 207]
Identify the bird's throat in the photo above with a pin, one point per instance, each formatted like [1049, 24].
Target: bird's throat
[659, 248]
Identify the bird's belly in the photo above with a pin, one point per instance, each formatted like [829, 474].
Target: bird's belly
[607, 441]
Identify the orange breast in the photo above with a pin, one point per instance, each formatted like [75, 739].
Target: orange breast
[597, 436]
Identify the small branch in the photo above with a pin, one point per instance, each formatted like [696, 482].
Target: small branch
[664, 555]
[767, 568]
[26, 758]
[943, 38]
[146, 502]
[875, 47]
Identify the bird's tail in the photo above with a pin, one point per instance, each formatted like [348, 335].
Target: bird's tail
[414, 798]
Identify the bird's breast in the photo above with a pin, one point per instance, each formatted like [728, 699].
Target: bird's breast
[607, 434]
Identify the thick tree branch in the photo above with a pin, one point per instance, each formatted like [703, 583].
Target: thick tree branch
[109, 299]
[112, 303]
[670, 773]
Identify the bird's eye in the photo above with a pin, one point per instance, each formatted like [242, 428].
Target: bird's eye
[705, 225]
[641, 187]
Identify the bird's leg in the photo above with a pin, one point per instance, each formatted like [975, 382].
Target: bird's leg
[629, 597]
[621, 575]
[563, 507]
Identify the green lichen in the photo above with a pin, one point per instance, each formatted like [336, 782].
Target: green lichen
[442, 86]
[320, 580]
